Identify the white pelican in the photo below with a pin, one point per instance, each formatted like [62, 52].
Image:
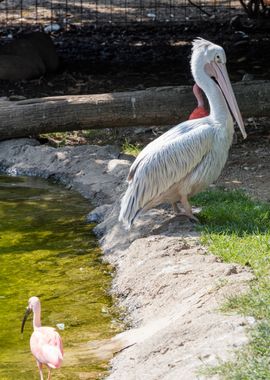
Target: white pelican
[189, 157]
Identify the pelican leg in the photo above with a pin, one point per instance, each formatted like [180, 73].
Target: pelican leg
[175, 208]
[188, 210]
[40, 370]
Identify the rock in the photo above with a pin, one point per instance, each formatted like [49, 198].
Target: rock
[251, 320]
[247, 77]
[241, 34]
[16, 98]
[52, 28]
[241, 59]
[98, 214]
[60, 326]
[241, 43]
[230, 269]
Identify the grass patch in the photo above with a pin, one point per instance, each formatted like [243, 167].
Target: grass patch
[237, 229]
[131, 149]
[93, 133]
[56, 139]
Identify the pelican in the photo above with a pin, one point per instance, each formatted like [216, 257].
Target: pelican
[189, 157]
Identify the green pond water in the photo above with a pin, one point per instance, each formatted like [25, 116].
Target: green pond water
[48, 250]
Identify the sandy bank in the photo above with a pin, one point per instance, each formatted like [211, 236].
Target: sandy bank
[170, 286]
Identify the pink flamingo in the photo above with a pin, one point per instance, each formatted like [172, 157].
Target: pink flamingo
[199, 111]
[45, 343]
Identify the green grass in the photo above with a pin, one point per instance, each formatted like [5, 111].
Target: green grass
[237, 229]
[60, 138]
[93, 133]
[131, 149]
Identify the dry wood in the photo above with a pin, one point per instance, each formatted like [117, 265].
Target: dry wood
[154, 106]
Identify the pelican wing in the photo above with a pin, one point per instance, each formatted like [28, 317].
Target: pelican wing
[164, 162]
[181, 131]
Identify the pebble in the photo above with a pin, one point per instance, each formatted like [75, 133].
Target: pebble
[15, 98]
[230, 270]
[240, 43]
[93, 217]
[242, 34]
[52, 28]
[151, 15]
[60, 326]
[251, 320]
[242, 59]
[247, 77]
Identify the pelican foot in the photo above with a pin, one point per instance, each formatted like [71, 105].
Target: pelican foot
[193, 219]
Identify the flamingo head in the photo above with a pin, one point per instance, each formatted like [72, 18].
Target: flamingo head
[33, 306]
[212, 59]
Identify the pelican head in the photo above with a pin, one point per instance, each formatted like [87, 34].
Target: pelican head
[211, 58]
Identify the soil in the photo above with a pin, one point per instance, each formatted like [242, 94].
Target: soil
[119, 58]
[248, 166]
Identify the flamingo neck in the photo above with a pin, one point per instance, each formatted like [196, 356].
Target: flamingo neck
[219, 110]
[36, 318]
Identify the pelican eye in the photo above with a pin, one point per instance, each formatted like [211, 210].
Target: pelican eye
[218, 58]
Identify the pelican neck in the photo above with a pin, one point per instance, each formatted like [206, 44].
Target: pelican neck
[219, 110]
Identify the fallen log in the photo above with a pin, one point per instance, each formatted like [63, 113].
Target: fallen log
[154, 106]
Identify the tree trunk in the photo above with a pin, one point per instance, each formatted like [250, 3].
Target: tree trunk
[154, 106]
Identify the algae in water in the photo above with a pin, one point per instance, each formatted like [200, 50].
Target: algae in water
[48, 250]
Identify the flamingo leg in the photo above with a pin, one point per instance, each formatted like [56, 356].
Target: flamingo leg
[49, 373]
[188, 210]
[40, 370]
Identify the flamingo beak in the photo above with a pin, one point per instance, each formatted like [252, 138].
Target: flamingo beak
[27, 312]
[219, 72]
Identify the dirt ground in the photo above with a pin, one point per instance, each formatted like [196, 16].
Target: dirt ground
[169, 286]
[119, 58]
[248, 166]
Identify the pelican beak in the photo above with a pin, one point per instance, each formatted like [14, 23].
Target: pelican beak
[219, 72]
[27, 312]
